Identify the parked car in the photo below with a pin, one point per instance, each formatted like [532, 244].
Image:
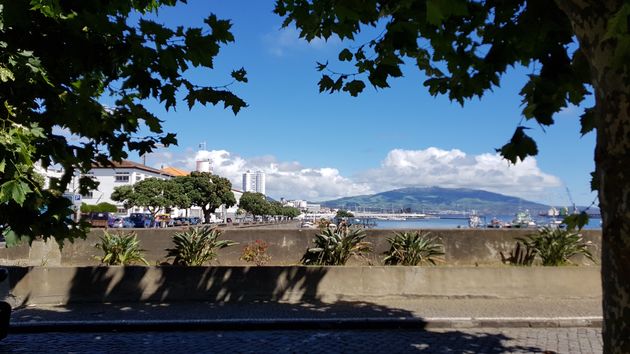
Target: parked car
[141, 220]
[181, 221]
[122, 223]
[127, 223]
[99, 219]
[194, 220]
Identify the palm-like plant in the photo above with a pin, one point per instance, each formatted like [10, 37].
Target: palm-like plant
[335, 247]
[521, 255]
[120, 249]
[413, 248]
[556, 246]
[197, 246]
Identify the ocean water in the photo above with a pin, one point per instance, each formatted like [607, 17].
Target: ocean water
[433, 223]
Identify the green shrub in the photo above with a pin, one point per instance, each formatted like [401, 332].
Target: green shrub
[556, 246]
[120, 249]
[197, 246]
[336, 247]
[98, 208]
[521, 255]
[256, 252]
[413, 248]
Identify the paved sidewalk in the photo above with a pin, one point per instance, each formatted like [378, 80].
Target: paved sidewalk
[475, 340]
[382, 313]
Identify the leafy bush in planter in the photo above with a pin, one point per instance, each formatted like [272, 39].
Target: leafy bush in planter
[256, 252]
[120, 249]
[413, 248]
[197, 246]
[556, 246]
[335, 247]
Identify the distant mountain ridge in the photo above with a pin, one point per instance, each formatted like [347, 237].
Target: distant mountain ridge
[437, 199]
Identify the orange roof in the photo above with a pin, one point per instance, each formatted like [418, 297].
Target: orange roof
[174, 171]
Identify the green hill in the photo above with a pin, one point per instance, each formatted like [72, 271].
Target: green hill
[437, 199]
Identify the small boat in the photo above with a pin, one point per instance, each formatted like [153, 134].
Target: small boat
[474, 221]
[495, 224]
[523, 220]
[555, 223]
[551, 213]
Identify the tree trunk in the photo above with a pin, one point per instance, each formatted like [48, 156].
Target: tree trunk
[612, 160]
[206, 214]
[612, 157]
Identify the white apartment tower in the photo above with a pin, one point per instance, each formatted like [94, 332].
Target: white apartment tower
[254, 182]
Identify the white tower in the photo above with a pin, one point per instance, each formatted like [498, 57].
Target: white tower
[204, 165]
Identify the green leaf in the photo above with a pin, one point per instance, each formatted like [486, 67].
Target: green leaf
[345, 55]
[240, 75]
[11, 238]
[439, 10]
[326, 83]
[3, 164]
[14, 190]
[519, 147]
[354, 87]
[576, 221]
[594, 181]
[587, 121]
[321, 67]
[6, 74]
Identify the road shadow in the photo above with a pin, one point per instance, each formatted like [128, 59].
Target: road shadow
[235, 299]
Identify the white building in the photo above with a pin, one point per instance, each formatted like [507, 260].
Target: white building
[129, 173]
[119, 174]
[300, 204]
[313, 208]
[254, 182]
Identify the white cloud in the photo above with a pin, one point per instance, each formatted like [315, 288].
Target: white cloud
[456, 169]
[288, 179]
[281, 41]
[400, 168]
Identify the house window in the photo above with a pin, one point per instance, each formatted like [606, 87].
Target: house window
[88, 195]
[121, 210]
[122, 177]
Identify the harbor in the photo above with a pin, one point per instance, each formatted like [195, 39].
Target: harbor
[519, 220]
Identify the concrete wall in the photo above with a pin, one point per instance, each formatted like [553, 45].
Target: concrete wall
[286, 247]
[58, 285]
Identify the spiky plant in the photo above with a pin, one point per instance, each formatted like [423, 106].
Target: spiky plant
[413, 248]
[556, 246]
[335, 247]
[197, 246]
[521, 255]
[120, 249]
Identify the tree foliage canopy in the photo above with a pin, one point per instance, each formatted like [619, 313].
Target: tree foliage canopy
[207, 191]
[58, 59]
[257, 204]
[343, 214]
[254, 203]
[461, 46]
[151, 193]
[573, 48]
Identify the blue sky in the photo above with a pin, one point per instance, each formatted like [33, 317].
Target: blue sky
[319, 146]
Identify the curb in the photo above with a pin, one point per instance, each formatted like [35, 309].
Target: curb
[346, 323]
